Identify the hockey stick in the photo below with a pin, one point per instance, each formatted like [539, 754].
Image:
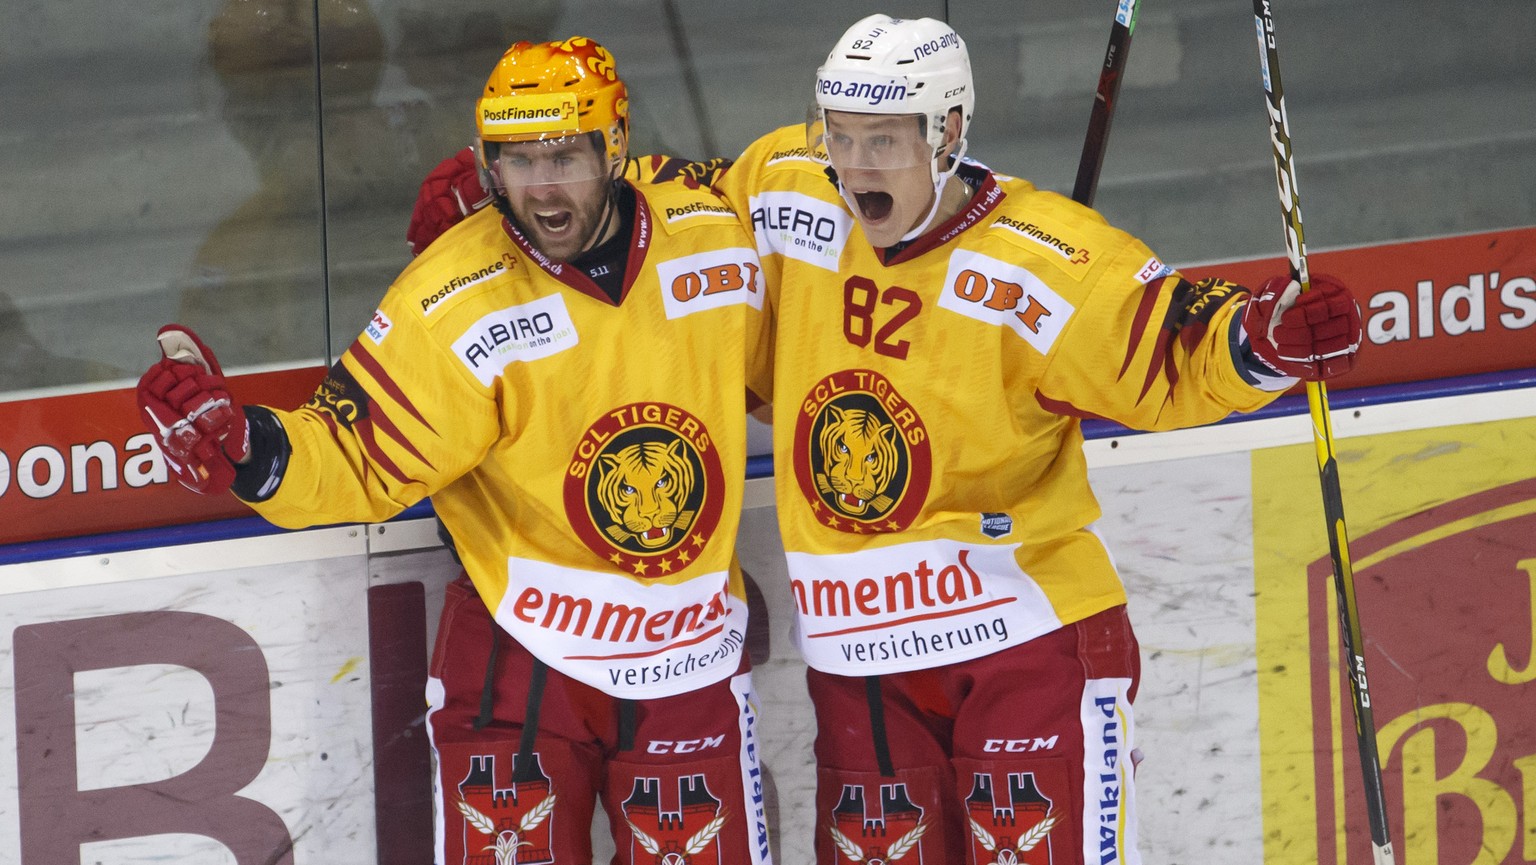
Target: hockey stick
[1322, 436]
[1110, 76]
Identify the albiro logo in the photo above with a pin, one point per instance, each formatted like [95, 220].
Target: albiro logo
[517, 334]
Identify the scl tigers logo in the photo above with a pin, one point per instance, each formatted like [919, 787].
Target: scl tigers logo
[861, 454]
[644, 488]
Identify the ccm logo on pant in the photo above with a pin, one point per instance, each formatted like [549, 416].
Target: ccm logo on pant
[1019, 746]
[687, 746]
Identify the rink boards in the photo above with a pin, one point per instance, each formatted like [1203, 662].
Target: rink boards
[258, 698]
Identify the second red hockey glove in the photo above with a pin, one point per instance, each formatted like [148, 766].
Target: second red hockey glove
[187, 407]
[1312, 336]
[449, 193]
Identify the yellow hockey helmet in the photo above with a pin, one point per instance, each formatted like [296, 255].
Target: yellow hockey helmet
[552, 90]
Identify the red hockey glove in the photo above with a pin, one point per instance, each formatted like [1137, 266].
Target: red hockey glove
[201, 431]
[451, 192]
[1312, 336]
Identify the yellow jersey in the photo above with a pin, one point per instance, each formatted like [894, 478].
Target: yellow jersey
[587, 457]
[932, 489]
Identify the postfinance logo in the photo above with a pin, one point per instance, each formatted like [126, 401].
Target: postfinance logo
[530, 113]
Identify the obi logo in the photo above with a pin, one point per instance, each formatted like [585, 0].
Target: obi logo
[1001, 293]
[644, 488]
[710, 280]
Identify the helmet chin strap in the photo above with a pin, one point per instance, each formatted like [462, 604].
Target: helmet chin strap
[939, 179]
[610, 207]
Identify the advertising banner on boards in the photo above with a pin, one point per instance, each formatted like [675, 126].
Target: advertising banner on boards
[82, 464]
[1443, 526]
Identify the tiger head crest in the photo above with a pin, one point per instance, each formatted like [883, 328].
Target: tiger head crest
[645, 488]
[859, 456]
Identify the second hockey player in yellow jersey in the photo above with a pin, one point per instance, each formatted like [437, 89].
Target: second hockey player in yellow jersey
[941, 330]
[927, 403]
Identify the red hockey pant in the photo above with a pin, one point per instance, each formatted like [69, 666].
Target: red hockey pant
[1022, 756]
[676, 775]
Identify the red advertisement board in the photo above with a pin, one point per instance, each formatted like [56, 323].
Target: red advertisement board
[1432, 308]
[83, 464]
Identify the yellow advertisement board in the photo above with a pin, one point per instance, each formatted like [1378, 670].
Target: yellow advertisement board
[1443, 528]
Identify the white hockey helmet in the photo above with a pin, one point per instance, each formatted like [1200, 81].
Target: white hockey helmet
[885, 65]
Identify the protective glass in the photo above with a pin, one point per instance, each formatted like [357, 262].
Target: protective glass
[565, 159]
[868, 141]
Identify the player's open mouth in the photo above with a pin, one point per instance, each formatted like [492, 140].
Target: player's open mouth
[873, 206]
[554, 221]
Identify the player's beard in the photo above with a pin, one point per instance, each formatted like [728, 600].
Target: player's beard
[562, 220]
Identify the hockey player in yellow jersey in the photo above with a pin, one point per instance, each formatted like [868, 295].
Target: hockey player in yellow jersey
[565, 375]
[941, 331]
